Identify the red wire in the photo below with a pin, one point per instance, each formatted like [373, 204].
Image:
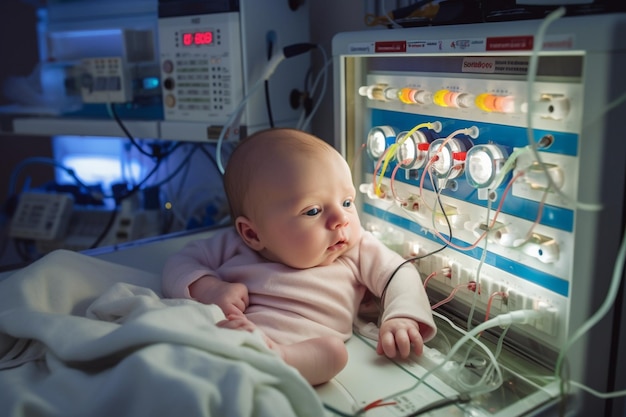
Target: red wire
[378, 403]
[392, 182]
[491, 297]
[428, 278]
[470, 286]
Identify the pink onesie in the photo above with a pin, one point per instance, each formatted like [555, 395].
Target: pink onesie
[290, 305]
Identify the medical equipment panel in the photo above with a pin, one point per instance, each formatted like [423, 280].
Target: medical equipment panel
[490, 154]
[213, 54]
[170, 69]
[201, 66]
[91, 53]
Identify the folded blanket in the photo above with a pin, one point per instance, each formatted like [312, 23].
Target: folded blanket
[80, 336]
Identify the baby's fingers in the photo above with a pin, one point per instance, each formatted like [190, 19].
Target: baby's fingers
[416, 341]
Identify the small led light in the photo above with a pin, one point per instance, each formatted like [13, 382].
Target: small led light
[378, 139]
[484, 163]
[439, 98]
[406, 95]
[493, 103]
[485, 102]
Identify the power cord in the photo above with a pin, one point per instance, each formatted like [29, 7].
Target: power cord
[284, 53]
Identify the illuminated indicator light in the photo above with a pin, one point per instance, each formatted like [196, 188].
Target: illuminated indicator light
[423, 146]
[484, 164]
[490, 102]
[439, 98]
[378, 139]
[406, 95]
[486, 102]
[504, 104]
[197, 38]
[480, 101]
[450, 98]
[150, 83]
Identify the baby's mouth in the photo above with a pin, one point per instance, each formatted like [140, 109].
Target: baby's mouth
[340, 244]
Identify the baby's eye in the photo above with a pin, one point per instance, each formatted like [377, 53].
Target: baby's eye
[313, 212]
[347, 203]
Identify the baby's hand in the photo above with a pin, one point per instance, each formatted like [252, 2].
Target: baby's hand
[237, 321]
[232, 298]
[397, 335]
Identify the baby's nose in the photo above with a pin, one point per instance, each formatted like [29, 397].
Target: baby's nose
[337, 220]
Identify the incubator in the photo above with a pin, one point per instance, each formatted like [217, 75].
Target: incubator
[491, 155]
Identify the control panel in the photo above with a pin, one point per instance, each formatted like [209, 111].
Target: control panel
[201, 67]
[105, 80]
[447, 162]
[42, 216]
[489, 156]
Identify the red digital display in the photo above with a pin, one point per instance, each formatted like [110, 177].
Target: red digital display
[197, 38]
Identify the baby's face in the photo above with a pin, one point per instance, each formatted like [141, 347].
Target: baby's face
[307, 216]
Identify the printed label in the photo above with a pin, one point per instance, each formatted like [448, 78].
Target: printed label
[391, 46]
[510, 43]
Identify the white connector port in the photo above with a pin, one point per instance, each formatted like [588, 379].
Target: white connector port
[547, 321]
[536, 176]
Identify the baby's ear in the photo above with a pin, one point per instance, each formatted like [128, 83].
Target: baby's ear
[247, 230]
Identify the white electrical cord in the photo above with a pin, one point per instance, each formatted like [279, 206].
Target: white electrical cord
[323, 74]
[272, 64]
[503, 320]
[532, 73]
[269, 70]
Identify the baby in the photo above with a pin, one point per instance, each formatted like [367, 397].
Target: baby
[297, 263]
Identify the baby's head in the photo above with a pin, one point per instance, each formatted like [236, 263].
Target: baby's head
[291, 196]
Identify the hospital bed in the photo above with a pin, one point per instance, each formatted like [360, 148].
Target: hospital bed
[88, 334]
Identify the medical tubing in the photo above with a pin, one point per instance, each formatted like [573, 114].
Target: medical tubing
[503, 320]
[39, 160]
[532, 71]
[481, 263]
[269, 69]
[436, 126]
[602, 311]
[323, 75]
[509, 164]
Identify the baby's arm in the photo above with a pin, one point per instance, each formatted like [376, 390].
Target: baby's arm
[232, 298]
[191, 272]
[407, 320]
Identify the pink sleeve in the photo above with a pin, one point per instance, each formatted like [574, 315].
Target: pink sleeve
[405, 295]
[198, 258]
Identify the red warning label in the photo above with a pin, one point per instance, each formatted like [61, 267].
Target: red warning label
[510, 43]
[390, 46]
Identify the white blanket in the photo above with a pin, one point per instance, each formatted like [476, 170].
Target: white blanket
[83, 337]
